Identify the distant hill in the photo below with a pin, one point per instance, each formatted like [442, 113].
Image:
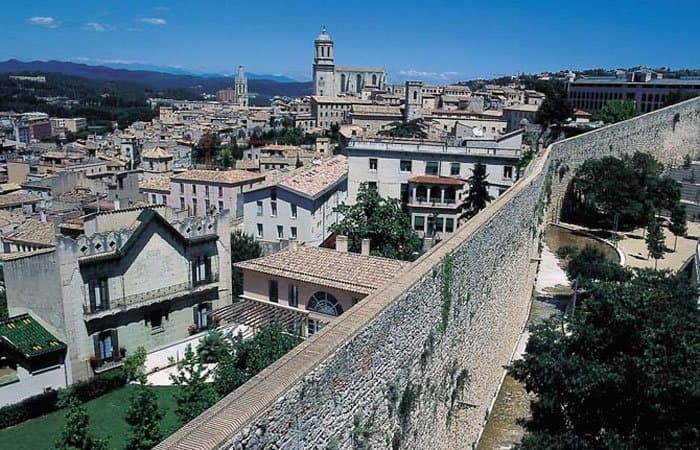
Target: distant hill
[157, 80]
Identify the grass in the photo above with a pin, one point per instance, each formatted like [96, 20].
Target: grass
[106, 420]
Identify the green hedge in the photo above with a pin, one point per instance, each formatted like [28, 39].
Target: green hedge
[51, 401]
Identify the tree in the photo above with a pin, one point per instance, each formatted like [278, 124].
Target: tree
[212, 347]
[144, 416]
[380, 220]
[411, 129]
[617, 110]
[298, 163]
[194, 395]
[622, 373]
[243, 248]
[590, 263]
[478, 195]
[555, 109]
[249, 357]
[656, 241]
[678, 226]
[134, 363]
[75, 434]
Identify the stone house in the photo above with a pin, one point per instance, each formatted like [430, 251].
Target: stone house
[135, 277]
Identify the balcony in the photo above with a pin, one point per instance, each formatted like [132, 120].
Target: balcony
[149, 297]
[423, 202]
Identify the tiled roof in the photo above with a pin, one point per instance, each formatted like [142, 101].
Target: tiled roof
[157, 153]
[16, 198]
[7, 218]
[218, 176]
[325, 267]
[25, 335]
[315, 177]
[33, 232]
[428, 179]
[161, 183]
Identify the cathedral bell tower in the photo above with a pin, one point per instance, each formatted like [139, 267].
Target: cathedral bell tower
[324, 66]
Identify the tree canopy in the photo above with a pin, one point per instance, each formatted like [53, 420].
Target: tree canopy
[76, 434]
[243, 248]
[620, 374]
[380, 220]
[411, 129]
[590, 263]
[555, 109]
[617, 110]
[477, 197]
[631, 187]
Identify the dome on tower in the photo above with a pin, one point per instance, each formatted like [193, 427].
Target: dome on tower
[324, 36]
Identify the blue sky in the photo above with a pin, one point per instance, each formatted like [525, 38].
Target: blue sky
[433, 40]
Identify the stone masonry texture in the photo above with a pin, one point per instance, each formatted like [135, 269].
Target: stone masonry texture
[407, 369]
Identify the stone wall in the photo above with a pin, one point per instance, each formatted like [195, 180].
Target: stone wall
[407, 368]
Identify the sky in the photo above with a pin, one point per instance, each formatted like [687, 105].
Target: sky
[433, 40]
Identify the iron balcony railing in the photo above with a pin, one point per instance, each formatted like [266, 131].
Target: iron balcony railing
[148, 297]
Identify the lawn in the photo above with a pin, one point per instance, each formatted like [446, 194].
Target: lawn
[106, 420]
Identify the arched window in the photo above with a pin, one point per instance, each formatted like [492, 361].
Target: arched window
[374, 79]
[358, 84]
[324, 303]
[343, 81]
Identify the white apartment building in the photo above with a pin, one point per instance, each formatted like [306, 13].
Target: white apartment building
[430, 177]
[297, 204]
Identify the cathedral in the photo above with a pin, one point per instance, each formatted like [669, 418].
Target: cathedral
[331, 80]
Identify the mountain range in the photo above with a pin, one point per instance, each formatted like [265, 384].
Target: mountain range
[265, 85]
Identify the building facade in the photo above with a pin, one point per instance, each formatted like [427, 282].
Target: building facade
[241, 88]
[331, 80]
[297, 204]
[430, 177]
[138, 277]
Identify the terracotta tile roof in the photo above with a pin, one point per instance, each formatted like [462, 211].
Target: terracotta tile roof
[325, 267]
[428, 179]
[315, 177]
[7, 218]
[16, 199]
[157, 153]
[33, 232]
[161, 183]
[218, 176]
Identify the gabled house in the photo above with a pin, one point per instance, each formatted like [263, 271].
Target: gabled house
[136, 277]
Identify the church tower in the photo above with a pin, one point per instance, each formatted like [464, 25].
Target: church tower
[413, 102]
[241, 88]
[324, 66]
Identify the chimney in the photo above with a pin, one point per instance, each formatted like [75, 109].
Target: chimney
[341, 243]
[42, 216]
[366, 246]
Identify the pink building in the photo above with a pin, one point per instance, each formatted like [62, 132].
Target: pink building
[202, 191]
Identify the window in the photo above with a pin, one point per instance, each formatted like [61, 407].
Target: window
[293, 299]
[153, 199]
[182, 188]
[201, 315]
[260, 230]
[373, 164]
[294, 211]
[293, 232]
[105, 343]
[273, 209]
[164, 199]
[431, 168]
[449, 225]
[182, 203]
[259, 208]
[280, 232]
[507, 172]
[405, 165]
[419, 223]
[155, 318]
[454, 169]
[201, 270]
[221, 191]
[194, 188]
[372, 185]
[221, 205]
[324, 303]
[207, 205]
[206, 191]
[194, 206]
[405, 193]
[99, 295]
[438, 223]
[272, 292]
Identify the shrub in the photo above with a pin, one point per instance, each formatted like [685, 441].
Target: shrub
[28, 408]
